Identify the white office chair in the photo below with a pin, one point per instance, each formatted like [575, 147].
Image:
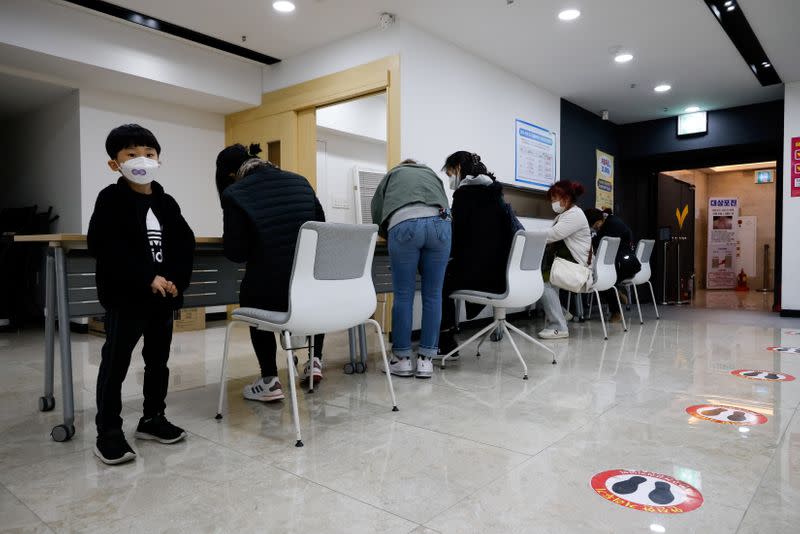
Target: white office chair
[644, 250]
[524, 286]
[330, 290]
[605, 276]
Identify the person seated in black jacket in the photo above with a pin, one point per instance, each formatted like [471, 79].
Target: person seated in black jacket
[483, 229]
[606, 224]
[263, 210]
[145, 252]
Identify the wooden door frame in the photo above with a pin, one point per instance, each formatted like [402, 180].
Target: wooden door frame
[299, 103]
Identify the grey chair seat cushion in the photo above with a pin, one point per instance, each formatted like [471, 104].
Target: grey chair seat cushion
[267, 316]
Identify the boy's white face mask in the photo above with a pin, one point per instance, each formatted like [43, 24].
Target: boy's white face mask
[140, 170]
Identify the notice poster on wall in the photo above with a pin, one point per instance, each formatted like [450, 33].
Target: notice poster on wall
[535, 157]
[723, 216]
[794, 169]
[604, 181]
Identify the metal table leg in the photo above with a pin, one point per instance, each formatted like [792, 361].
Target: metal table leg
[361, 366]
[65, 431]
[349, 368]
[47, 402]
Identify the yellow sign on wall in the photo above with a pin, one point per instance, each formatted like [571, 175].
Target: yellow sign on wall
[604, 181]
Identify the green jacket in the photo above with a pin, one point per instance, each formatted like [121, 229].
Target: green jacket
[404, 185]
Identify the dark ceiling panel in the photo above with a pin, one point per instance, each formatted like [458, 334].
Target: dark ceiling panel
[173, 29]
[732, 19]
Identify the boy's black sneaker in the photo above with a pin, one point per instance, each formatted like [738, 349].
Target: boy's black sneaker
[112, 448]
[159, 429]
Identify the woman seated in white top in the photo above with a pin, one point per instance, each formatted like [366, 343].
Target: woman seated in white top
[568, 238]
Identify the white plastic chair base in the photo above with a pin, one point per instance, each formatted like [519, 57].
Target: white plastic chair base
[506, 327]
[290, 364]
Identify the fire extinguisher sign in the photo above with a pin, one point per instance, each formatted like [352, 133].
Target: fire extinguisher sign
[794, 169]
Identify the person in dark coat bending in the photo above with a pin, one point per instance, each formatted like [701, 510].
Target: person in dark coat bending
[263, 210]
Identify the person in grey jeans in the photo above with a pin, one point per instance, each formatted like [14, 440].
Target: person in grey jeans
[412, 211]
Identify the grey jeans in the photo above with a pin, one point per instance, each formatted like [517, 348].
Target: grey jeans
[554, 314]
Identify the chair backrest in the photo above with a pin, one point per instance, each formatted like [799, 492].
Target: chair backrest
[524, 282]
[605, 269]
[331, 287]
[644, 250]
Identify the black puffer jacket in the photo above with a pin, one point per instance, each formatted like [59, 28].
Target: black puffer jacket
[117, 238]
[263, 214]
[482, 234]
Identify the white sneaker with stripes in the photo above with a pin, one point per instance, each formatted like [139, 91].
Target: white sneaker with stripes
[265, 389]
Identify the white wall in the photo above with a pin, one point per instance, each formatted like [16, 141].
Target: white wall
[41, 162]
[190, 141]
[450, 100]
[790, 283]
[337, 155]
[365, 117]
[121, 49]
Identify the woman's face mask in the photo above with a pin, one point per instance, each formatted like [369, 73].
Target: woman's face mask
[453, 181]
[557, 207]
[141, 170]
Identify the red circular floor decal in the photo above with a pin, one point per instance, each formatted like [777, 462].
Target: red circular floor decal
[726, 415]
[764, 376]
[647, 491]
[790, 350]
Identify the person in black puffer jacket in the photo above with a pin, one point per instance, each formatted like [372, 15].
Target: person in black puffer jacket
[263, 209]
[483, 230]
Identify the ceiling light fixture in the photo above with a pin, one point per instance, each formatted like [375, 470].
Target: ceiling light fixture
[663, 88]
[569, 14]
[729, 3]
[731, 8]
[283, 6]
[692, 109]
[623, 57]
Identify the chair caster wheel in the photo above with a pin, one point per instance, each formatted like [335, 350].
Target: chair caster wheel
[361, 368]
[62, 433]
[46, 404]
[218, 416]
[478, 355]
[349, 369]
[495, 337]
[299, 443]
[395, 409]
[554, 362]
[525, 377]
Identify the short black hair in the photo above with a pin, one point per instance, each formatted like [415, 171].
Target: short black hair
[129, 136]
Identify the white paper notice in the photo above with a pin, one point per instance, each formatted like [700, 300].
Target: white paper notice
[535, 155]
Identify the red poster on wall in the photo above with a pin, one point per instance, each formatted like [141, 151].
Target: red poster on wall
[794, 169]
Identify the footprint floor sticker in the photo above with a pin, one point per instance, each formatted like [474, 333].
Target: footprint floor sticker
[726, 415]
[764, 376]
[647, 491]
[789, 350]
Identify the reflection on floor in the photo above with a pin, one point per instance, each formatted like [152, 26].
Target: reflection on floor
[475, 449]
[729, 299]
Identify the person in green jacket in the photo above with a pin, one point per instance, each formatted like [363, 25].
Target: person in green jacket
[412, 211]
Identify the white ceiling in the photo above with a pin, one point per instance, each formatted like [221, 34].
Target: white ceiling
[20, 95]
[674, 41]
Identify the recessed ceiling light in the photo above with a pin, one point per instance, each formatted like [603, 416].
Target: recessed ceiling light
[283, 6]
[569, 14]
[731, 8]
[766, 64]
[729, 3]
[692, 109]
[663, 88]
[623, 57]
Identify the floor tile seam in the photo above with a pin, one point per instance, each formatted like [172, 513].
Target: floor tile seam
[23, 503]
[766, 469]
[351, 497]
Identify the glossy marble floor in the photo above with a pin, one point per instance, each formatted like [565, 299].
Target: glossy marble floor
[475, 449]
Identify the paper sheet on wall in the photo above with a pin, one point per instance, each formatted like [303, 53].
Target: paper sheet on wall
[723, 215]
[535, 158]
[604, 181]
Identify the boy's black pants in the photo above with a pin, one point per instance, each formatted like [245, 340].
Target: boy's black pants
[123, 330]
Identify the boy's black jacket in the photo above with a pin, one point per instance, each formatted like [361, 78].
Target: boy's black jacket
[117, 238]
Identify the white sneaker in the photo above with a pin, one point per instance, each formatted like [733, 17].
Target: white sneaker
[265, 390]
[317, 365]
[424, 367]
[549, 333]
[401, 367]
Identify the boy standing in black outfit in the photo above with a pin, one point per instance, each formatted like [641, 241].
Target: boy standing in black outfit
[144, 251]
